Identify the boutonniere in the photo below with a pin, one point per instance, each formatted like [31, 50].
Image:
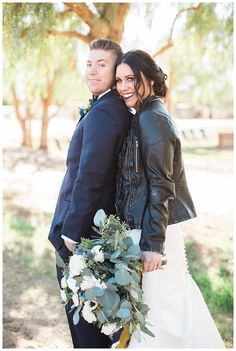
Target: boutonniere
[85, 109]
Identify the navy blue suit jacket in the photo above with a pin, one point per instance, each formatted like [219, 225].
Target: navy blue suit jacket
[90, 180]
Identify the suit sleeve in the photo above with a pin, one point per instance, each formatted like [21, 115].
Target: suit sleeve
[157, 148]
[101, 134]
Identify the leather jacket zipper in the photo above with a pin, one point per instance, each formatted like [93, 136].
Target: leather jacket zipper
[136, 156]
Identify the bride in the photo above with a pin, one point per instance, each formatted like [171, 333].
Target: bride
[153, 198]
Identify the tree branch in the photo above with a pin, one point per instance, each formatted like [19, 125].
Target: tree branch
[71, 34]
[65, 14]
[169, 43]
[82, 11]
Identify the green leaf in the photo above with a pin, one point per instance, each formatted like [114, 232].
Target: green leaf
[76, 315]
[115, 254]
[99, 218]
[116, 260]
[123, 313]
[134, 250]
[128, 241]
[122, 277]
[146, 331]
[90, 294]
[109, 300]
[140, 317]
[136, 276]
[59, 261]
[101, 317]
[134, 294]
[125, 304]
[98, 291]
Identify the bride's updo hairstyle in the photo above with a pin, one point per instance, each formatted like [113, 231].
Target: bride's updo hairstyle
[141, 62]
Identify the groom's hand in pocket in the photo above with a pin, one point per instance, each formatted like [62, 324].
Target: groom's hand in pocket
[70, 246]
[151, 261]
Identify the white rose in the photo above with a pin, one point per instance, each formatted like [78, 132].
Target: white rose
[76, 265]
[63, 296]
[108, 329]
[75, 299]
[63, 283]
[87, 283]
[72, 285]
[88, 315]
[98, 255]
[90, 282]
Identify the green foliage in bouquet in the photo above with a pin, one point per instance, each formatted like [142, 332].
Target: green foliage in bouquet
[103, 279]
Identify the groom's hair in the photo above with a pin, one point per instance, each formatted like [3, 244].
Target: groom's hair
[106, 44]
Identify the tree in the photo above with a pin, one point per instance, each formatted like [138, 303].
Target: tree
[34, 64]
[202, 63]
[102, 20]
[32, 34]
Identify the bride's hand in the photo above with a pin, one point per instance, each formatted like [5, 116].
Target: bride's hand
[151, 261]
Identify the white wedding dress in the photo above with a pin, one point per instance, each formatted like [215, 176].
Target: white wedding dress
[178, 312]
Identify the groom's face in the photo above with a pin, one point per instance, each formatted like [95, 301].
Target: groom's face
[100, 70]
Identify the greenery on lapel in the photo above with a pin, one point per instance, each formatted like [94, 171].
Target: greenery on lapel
[84, 110]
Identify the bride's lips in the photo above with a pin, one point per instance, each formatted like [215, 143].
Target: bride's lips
[127, 96]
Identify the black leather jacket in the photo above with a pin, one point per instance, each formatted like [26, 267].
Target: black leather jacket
[152, 191]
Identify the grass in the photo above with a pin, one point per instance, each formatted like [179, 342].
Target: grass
[216, 286]
[26, 245]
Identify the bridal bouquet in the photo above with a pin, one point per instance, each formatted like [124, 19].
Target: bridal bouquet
[103, 279]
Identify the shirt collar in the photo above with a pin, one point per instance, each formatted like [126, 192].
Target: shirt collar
[99, 96]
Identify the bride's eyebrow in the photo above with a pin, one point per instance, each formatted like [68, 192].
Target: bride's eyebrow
[128, 76]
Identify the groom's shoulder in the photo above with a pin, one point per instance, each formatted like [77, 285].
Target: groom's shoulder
[112, 101]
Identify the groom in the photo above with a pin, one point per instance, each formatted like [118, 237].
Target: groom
[90, 179]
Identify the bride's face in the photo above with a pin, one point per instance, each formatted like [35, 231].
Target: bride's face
[125, 84]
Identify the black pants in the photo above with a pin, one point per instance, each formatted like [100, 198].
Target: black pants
[84, 334]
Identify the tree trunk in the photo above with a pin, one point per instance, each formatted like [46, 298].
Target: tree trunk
[24, 121]
[46, 102]
[44, 127]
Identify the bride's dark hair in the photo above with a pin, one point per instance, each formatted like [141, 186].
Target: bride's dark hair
[141, 62]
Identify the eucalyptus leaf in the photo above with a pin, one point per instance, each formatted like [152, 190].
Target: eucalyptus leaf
[116, 260]
[90, 294]
[134, 250]
[128, 241]
[134, 294]
[123, 313]
[107, 312]
[125, 304]
[99, 218]
[110, 299]
[101, 317]
[59, 261]
[98, 291]
[115, 254]
[136, 276]
[146, 331]
[122, 277]
[140, 317]
[76, 315]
